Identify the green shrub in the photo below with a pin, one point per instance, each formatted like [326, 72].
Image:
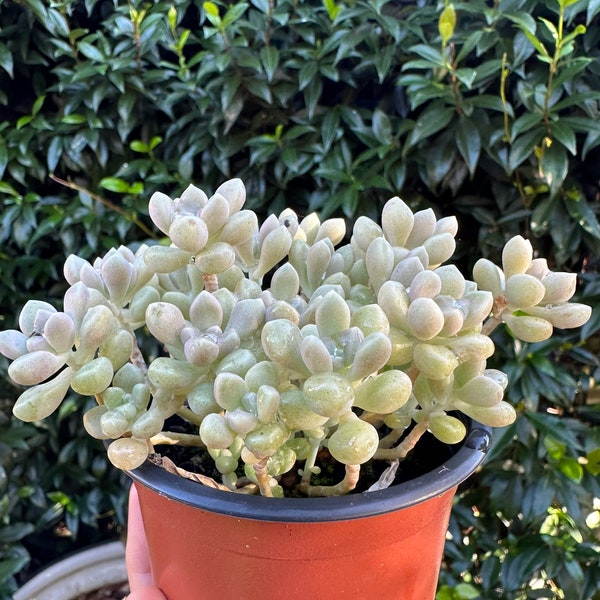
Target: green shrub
[487, 110]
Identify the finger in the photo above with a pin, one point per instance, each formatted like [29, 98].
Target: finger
[137, 557]
[146, 593]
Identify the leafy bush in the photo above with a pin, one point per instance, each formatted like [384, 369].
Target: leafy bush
[488, 110]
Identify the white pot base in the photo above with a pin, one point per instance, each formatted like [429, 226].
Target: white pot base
[83, 572]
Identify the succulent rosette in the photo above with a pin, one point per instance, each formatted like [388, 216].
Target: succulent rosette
[280, 340]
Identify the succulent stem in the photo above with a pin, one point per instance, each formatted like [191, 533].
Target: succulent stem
[137, 358]
[190, 416]
[496, 317]
[311, 459]
[405, 446]
[210, 282]
[490, 325]
[174, 438]
[391, 438]
[339, 489]
[262, 478]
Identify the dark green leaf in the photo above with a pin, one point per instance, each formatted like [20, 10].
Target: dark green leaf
[523, 147]
[260, 88]
[466, 76]
[90, 51]
[333, 175]
[382, 127]
[57, 23]
[565, 135]
[269, 56]
[15, 532]
[262, 5]
[3, 158]
[433, 119]
[593, 8]
[6, 60]
[584, 215]
[234, 12]
[570, 70]
[522, 566]
[307, 74]
[55, 150]
[300, 130]
[11, 566]
[537, 44]
[554, 166]
[592, 140]
[433, 55]
[330, 128]
[468, 142]
[524, 123]
[492, 103]
[560, 429]
[523, 19]
[312, 95]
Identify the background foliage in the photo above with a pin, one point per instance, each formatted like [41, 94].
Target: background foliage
[488, 110]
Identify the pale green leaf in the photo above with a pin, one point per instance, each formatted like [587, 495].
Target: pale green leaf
[446, 23]
[114, 184]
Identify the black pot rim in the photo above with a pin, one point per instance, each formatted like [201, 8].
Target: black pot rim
[353, 506]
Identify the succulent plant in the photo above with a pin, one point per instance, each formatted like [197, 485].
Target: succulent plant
[278, 341]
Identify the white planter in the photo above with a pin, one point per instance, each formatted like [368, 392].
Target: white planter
[83, 572]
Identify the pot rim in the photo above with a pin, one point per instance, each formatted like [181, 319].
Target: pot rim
[445, 477]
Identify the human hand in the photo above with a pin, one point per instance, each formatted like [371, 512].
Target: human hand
[137, 558]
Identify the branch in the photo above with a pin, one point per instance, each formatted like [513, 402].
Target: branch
[405, 446]
[114, 207]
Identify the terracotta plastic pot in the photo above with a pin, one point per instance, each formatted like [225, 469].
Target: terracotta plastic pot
[206, 544]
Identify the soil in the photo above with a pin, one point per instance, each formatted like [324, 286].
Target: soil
[195, 460]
